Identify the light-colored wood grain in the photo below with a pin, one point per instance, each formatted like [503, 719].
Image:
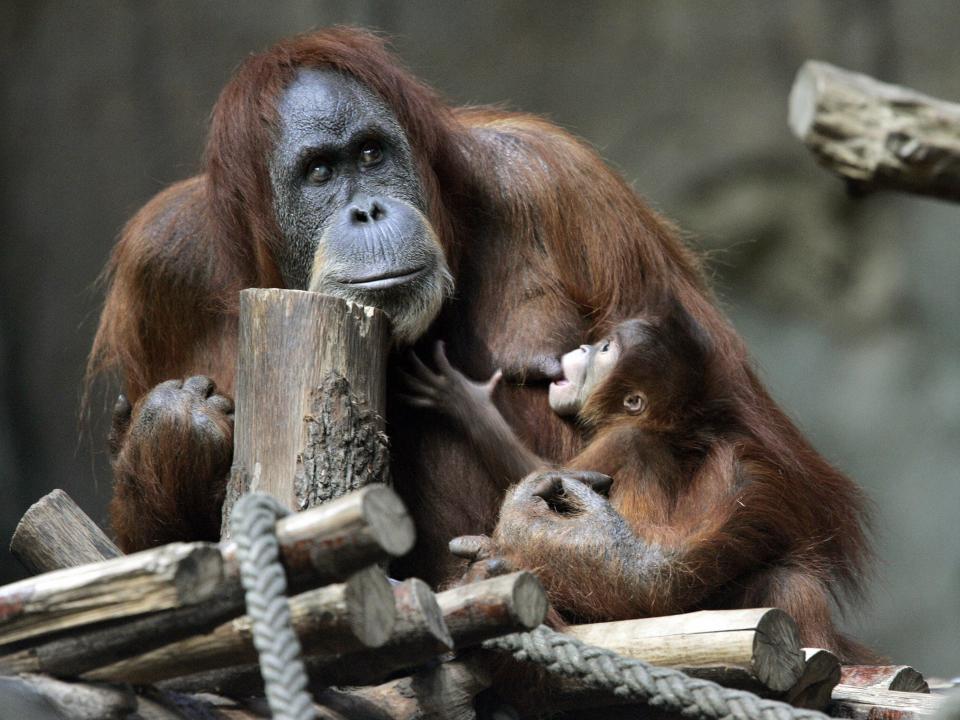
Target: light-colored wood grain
[171, 576]
[877, 135]
[54, 533]
[764, 641]
[290, 342]
[874, 704]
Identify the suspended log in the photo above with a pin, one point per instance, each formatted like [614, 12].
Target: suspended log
[727, 646]
[872, 703]
[884, 677]
[337, 617]
[877, 135]
[171, 576]
[310, 398]
[55, 533]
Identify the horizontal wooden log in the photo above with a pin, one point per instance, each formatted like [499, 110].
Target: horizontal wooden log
[171, 576]
[331, 542]
[427, 625]
[338, 618]
[35, 697]
[719, 643]
[445, 692]
[874, 704]
[55, 533]
[500, 605]
[821, 673]
[884, 677]
[877, 135]
[72, 654]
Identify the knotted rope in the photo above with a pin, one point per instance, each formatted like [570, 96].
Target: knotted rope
[253, 526]
[660, 687]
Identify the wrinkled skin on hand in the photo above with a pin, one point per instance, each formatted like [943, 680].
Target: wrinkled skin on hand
[190, 416]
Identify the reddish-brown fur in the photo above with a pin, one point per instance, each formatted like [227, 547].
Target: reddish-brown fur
[734, 524]
[548, 248]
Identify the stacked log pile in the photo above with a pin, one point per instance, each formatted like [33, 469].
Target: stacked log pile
[163, 635]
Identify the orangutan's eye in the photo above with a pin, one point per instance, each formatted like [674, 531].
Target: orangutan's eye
[371, 152]
[606, 346]
[319, 171]
[635, 403]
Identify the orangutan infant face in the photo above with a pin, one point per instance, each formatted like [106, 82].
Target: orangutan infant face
[583, 369]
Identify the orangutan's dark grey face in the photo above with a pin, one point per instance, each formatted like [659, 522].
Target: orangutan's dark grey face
[350, 203]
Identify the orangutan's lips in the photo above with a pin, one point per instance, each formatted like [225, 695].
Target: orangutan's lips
[385, 280]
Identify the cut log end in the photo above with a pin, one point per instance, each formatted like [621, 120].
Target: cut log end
[425, 601]
[388, 520]
[803, 101]
[778, 658]
[530, 603]
[373, 611]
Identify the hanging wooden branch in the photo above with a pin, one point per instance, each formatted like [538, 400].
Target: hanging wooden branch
[877, 135]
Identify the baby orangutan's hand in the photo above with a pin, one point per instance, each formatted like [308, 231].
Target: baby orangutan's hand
[448, 390]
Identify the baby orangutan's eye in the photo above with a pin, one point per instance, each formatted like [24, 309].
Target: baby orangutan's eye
[635, 403]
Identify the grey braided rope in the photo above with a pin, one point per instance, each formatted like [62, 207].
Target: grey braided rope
[659, 687]
[252, 525]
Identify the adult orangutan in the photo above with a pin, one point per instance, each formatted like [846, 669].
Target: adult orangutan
[674, 503]
[329, 166]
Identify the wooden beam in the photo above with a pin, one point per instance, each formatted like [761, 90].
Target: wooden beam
[427, 626]
[877, 135]
[338, 618]
[291, 344]
[884, 677]
[330, 542]
[167, 577]
[872, 703]
[763, 642]
[55, 533]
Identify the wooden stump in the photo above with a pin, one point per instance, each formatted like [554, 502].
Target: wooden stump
[310, 398]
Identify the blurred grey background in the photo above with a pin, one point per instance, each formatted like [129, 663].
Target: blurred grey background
[851, 307]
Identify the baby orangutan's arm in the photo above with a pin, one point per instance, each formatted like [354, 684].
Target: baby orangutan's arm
[470, 405]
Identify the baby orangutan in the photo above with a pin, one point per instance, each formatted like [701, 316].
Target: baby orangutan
[672, 506]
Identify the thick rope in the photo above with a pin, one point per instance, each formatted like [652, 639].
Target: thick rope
[252, 525]
[660, 687]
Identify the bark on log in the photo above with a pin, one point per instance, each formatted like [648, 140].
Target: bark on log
[55, 533]
[871, 704]
[330, 542]
[171, 576]
[292, 343]
[877, 135]
[884, 677]
[445, 692]
[764, 642]
[821, 673]
[500, 605]
[336, 618]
